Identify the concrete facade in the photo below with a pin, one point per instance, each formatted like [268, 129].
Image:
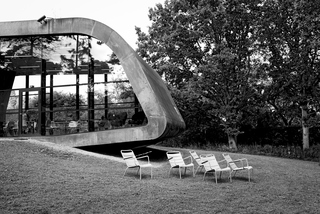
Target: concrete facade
[164, 119]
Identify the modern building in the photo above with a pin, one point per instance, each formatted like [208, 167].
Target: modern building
[80, 84]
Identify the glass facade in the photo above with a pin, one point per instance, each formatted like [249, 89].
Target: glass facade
[57, 85]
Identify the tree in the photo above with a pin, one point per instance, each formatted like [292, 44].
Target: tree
[200, 122]
[207, 49]
[36, 46]
[173, 45]
[64, 103]
[289, 33]
[229, 93]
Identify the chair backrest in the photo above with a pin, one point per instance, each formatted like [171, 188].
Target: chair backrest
[175, 158]
[229, 161]
[196, 157]
[129, 158]
[210, 162]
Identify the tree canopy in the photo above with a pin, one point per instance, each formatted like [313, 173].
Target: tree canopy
[237, 60]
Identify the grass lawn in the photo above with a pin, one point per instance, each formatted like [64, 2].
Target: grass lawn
[46, 178]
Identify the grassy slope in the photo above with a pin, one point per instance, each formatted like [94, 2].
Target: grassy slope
[39, 179]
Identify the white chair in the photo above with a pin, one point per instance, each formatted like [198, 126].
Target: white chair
[243, 164]
[198, 160]
[132, 161]
[211, 164]
[176, 161]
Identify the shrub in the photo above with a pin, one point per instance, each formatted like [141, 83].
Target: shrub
[295, 152]
[313, 153]
[267, 149]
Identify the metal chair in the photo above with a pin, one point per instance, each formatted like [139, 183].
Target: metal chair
[196, 157]
[132, 161]
[243, 164]
[211, 164]
[176, 161]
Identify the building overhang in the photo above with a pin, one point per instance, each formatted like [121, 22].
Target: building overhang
[164, 119]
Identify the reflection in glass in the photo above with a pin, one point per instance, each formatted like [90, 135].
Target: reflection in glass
[63, 64]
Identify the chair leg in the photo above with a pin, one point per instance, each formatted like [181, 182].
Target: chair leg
[215, 176]
[193, 171]
[204, 175]
[140, 172]
[251, 173]
[151, 171]
[180, 172]
[235, 172]
[197, 169]
[125, 172]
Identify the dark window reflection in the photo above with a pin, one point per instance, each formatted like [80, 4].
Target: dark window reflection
[68, 60]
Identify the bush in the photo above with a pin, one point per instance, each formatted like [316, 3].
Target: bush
[295, 152]
[313, 153]
[267, 149]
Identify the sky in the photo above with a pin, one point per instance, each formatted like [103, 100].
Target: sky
[121, 15]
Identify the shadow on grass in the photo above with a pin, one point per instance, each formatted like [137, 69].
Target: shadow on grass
[242, 178]
[155, 155]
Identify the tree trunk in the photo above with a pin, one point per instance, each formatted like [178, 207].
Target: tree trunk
[305, 137]
[232, 140]
[305, 128]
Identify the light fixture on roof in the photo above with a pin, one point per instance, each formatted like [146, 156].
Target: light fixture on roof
[42, 20]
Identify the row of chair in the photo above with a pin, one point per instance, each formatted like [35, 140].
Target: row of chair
[207, 162]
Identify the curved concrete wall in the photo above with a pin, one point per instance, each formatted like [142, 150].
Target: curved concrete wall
[164, 119]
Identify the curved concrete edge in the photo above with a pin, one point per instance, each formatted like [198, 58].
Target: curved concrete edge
[145, 135]
[164, 119]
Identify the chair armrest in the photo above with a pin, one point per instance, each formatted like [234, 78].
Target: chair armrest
[242, 160]
[227, 164]
[189, 158]
[203, 161]
[127, 158]
[146, 156]
[196, 158]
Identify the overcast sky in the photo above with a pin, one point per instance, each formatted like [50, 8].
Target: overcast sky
[120, 15]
